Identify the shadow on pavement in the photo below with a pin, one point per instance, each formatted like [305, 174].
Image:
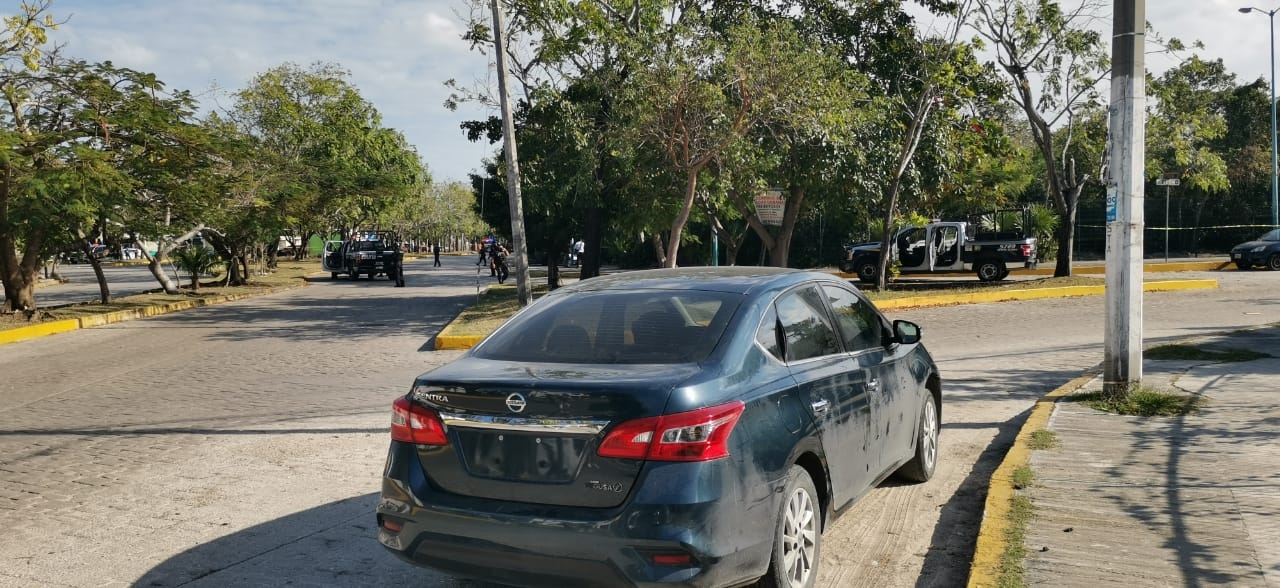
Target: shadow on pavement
[333, 545]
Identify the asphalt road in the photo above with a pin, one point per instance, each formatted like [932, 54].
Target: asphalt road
[82, 285]
[241, 444]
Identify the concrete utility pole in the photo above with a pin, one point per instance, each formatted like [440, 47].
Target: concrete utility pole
[1122, 364]
[520, 252]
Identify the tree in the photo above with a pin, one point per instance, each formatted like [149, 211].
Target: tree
[69, 128]
[702, 92]
[1053, 63]
[321, 155]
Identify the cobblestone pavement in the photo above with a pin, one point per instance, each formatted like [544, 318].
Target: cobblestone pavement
[209, 435]
[241, 444]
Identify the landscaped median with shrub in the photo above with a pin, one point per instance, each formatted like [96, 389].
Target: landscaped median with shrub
[57, 319]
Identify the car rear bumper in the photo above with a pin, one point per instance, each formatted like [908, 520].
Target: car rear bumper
[530, 545]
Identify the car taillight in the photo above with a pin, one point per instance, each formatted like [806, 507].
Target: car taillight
[412, 423]
[698, 435]
[1026, 249]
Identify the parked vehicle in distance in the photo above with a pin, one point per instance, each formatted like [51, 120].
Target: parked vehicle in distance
[683, 427]
[369, 253]
[946, 247]
[1263, 251]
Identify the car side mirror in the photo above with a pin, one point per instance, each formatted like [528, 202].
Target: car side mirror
[906, 332]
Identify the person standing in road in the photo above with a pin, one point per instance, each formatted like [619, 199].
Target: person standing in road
[436, 250]
[481, 248]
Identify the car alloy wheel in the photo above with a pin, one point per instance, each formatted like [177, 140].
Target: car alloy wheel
[797, 539]
[925, 459]
[1273, 262]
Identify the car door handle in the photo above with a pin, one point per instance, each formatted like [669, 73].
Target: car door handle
[819, 406]
[874, 384]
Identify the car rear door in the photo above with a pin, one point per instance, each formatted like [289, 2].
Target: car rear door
[331, 261]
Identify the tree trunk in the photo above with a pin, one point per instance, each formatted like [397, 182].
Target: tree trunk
[104, 290]
[677, 226]
[20, 275]
[658, 250]
[589, 261]
[780, 253]
[1066, 234]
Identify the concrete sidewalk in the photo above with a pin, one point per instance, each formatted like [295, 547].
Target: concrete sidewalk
[1189, 501]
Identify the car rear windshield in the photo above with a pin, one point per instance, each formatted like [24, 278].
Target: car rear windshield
[612, 327]
[369, 245]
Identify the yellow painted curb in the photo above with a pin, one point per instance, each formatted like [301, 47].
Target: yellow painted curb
[985, 571]
[1033, 294]
[456, 341]
[1172, 285]
[1048, 269]
[38, 330]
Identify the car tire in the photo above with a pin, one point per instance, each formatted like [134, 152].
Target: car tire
[333, 275]
[991, 270]
[1244, 266]
[797, 537]
[867, 271]
[1273, 262]
[925, 460]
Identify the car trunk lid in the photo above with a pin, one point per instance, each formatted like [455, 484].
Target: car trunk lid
[529, 433]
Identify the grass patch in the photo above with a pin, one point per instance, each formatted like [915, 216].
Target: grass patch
[1142, 402]
[1043, 439]
[493, 308]
[1022, 477]
[1193, 353]
[289, 273]
[1015, 550]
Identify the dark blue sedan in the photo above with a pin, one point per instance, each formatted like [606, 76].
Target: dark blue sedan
[1263, 251]
[691, 427]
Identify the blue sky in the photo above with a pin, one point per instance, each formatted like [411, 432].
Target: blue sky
[400, 52]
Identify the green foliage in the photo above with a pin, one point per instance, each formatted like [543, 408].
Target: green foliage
[1143, 401]
[1012, 560]
[1041, 222]
[196, 260]
[1189, 118]
[1043, 439]
[1023, 477]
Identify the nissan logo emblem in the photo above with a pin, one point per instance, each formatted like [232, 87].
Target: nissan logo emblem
[515, 402]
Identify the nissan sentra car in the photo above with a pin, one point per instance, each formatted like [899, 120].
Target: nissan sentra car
[689, 427]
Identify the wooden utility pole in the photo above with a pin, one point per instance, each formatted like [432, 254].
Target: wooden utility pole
[1122, 363]
[519, 251]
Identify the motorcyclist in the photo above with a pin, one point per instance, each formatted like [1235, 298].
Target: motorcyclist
[499, 258]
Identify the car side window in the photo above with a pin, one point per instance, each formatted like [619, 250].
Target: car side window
[767, 334]
[806, 330]
[859, 325]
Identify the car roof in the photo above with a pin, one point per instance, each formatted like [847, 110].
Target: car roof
[734, 279]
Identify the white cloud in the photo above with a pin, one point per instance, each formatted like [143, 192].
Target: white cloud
[399, 53]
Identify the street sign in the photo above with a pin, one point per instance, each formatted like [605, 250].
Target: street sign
[770, 206]
[1168, 182]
